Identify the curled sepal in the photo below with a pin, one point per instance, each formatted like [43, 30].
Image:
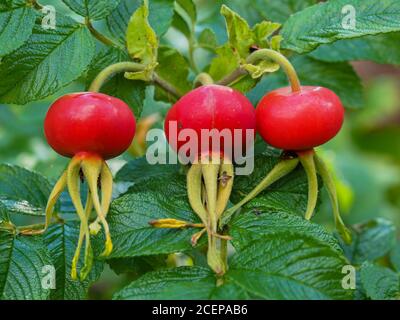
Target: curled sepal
[73, 181]
[225, 184]
[92, 168]
[106, 181]
[51, 202]
[195, 238]
[307, 161]
[195, 192]
[174, 224]
[281, 169]
[330, 187]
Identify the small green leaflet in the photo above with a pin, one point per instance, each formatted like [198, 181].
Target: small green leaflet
[341, 19]
[142, 44]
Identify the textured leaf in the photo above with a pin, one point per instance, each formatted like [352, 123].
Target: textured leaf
[16, 24]
[289, 266]
[323, 23]
[377, 48]
[21, 263]
[208, 40]
[61, 241]
[142, 43]
[288, 194]
[185, 283]
[160, 16]
[139, 170]
[131, 92]
[93, 9]
[255, 11]
[371, 241]
[277, 267]
[129, 217]
[43, 64]
[190, 9]
[380, 283]
[339, 77]
[250, 225]
[173, 68]
[23, 191]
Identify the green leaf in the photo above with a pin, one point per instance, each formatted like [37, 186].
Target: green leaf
[61, 240]
[157, 198]
[288, 266]
[395, 257]
[378, 48]
[131, 92]
[339, 77]
[139, 170]
[142, 44]
[380, 283]
[93, 9]
[16, 24]
[185, 283]
[239, 33]
[250, 225]
[181, 25]
[189, 8]
[48, 61]
[371, 240]
[173, 68]
[324, 23]
[255, 11]
[21, 263]
[208, 40]
[23, 191]
[288, 194]
[278, 266]
[160, 16]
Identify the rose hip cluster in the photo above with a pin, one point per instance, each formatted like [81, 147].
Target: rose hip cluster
[91, 127]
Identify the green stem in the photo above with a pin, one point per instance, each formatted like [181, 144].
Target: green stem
[203, 79]
[166, 86]
[330, 187]
[280, 170]
[267, 54]
[109, 71]
[99, 36]
[307, 160]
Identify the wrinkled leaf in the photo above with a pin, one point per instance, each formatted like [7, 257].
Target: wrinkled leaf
[93, 9]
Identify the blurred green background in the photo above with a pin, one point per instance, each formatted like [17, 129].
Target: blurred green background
[365, 156]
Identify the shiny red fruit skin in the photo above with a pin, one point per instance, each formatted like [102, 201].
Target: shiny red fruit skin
[211, 107]
[299, 121]
[89, 122]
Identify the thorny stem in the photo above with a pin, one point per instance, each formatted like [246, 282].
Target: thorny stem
[267, 54]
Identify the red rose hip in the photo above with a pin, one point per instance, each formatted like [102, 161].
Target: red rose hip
[89, 122]
[299, 120]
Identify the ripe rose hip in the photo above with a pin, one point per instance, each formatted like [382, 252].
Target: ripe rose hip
[89, 122]
[299, 120]
[211, 107]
